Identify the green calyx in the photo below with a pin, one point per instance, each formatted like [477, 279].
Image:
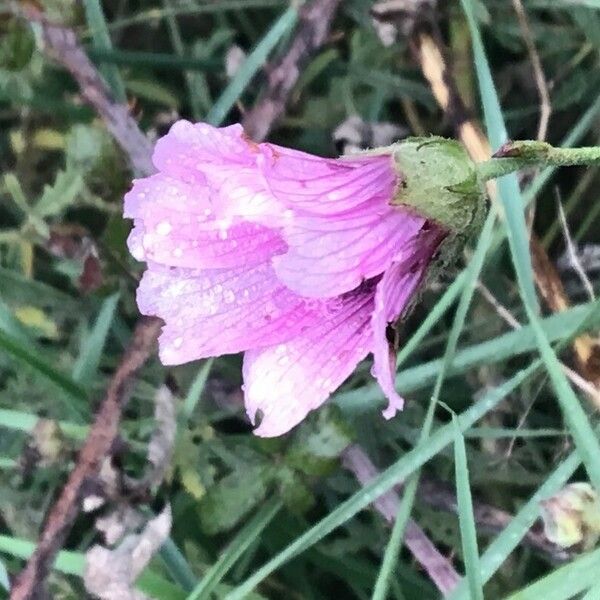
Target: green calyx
[438, 180]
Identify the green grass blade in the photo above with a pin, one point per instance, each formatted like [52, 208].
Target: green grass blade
[177, 565]
[466, 519]
[494, 122]
[17, 420]
[518, 238]
[73, 563]
[406, 505]
[101, 39]
[399, 471]
[593, 593]
[88, 361]
[508, 186]
[558, 327]
[392, 550]
[4, 582]
[574, 415]
[497, 552]
[72, 392]
[240, 544]
[255, 60]
[566, 582]
[179, 47]
[193, 396]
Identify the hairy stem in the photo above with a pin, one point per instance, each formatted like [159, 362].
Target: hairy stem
[514, 156]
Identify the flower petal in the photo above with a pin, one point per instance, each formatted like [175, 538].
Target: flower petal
[328, 256]
[394, 294]
[190, 149]
[175, 225]
[286, 381]
[225, 160]
[221, 311]
[327, 186]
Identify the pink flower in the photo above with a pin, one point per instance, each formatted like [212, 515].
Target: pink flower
[301, 262]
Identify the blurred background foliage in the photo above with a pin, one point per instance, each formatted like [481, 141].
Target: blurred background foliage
[67, 293]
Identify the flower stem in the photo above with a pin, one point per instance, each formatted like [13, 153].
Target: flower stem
[514, 156]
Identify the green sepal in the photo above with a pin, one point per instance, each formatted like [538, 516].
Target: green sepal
[438, 180]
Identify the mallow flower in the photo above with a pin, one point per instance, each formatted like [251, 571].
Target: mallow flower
[298, 261]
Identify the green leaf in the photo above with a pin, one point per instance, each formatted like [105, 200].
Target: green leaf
[387, 479]
[74, 395]
[195, 391]
[60, 195]
[319, 443]
[255, 60]
[88, 361]
[227, 502]
[101, 38]
[236, 548]
[153, 91]
[466, 519]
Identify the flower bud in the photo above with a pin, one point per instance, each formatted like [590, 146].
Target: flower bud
[572, 516]
[439, 180]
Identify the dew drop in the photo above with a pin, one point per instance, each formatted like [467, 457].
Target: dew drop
[138, 252]
[163, 228]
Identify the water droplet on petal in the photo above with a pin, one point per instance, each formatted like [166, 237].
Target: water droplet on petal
[138, 252]
[163, 228]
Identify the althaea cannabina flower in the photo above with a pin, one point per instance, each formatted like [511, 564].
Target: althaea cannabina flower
[299, 261]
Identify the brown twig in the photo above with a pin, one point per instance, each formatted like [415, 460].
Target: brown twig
[312, 31]
[62, 45]
[29, 584]
[437, 566]
[440, 496]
